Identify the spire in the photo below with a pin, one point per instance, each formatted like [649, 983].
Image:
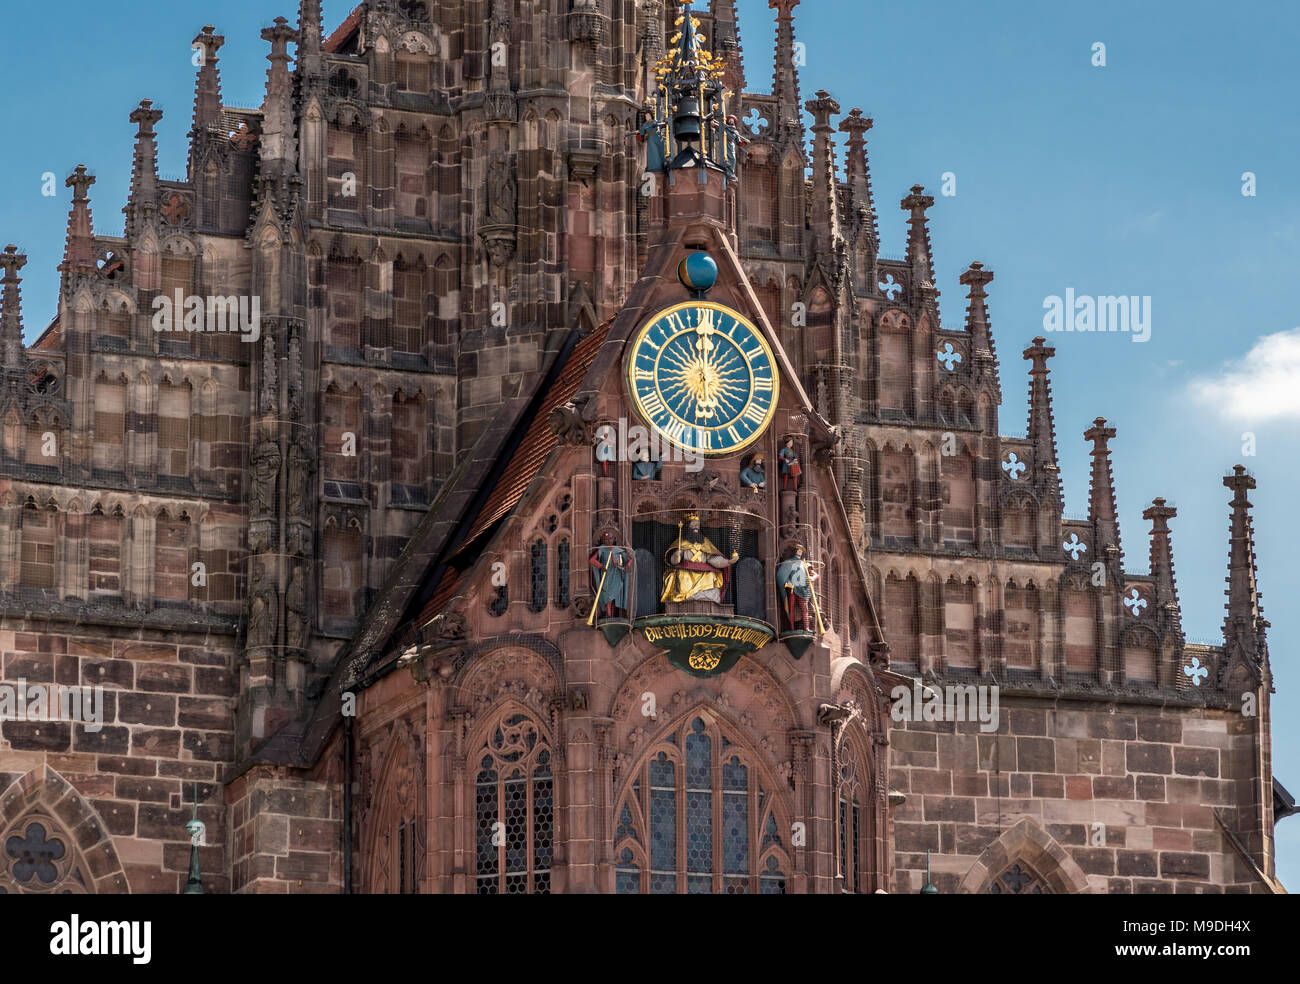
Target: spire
[311, 36]
[690, 104]
[207, 87]
[825, 208]
[726, 43]
[11, 311]
[79, 253]
[1042, 426]
[1162, 551]
[785, 80]
[143, 199]
[1102, 512]
[918, 237]
[1245, 613]
[858, 168]
[277, 141]
[977, 310]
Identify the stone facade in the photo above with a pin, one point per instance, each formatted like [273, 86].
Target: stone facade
[444, 215]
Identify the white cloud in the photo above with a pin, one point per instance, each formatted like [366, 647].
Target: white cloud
[1261, 387]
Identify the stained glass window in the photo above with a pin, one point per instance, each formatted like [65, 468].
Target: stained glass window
[562, 560]
[537, 567]
[703, 811]
[515, 811]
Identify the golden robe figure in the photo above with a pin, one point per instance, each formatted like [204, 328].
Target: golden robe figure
[697, 570]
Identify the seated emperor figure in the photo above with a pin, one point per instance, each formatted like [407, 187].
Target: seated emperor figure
[697, 570]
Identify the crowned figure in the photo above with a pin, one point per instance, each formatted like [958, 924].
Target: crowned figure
[697, 570]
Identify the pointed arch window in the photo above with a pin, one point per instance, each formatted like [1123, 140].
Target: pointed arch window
[37, 856]
[697, 820]
[514, 810]
[537, 575]
[1018, 879]
[563, 557]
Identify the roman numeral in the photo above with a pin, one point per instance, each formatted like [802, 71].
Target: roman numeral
[762, 384]
[755, 413]
[653, 405]
[733, 434]
[675, 429]
[643, 375]
[705, 440]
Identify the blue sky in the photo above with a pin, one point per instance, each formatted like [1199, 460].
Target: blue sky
[1125, 179]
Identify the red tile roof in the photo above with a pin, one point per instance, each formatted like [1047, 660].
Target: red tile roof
[335, 41]
[539, 441]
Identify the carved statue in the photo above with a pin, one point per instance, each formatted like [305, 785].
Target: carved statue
[645, 467]
[794, 579]
[500, 192]
[609, 571]
[606, 452]
[651, 134]
[790, 467]
[266, 468]
[298, 479]
[295, 605]
[697, 570]
[261, 613]
[754, 474]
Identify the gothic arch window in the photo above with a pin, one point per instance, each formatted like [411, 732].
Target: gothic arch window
[39, 539]
[1018, 879]
[396, 843]
[410, 451]
[410, 293]
[172, 560]
[346, 165]
[537, 575]
[104, 556]
[343, 300]
[110, 425]
[514, 797]
[563, 562]
[697, 818]
[38, 856]
[1020, 627]
[174, 430]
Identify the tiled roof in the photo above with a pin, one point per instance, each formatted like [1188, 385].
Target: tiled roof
[441, 595]
[335, 41]
[539, 441]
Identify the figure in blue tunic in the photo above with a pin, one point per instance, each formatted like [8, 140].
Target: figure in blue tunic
[645, 468]
[794, 580]
[790, 467]
[754, 474]
[606, 452]
[609, 569]
[651, 134]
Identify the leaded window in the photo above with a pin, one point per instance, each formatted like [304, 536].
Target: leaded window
[514, 810]
[537, 575]
[1019, 879]
[697, 820]
[562, 559]
[39, 857]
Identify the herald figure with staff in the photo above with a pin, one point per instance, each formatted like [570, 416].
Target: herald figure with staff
[609, 568]
[795, 580]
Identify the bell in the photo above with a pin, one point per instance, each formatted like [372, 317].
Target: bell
[686, 124]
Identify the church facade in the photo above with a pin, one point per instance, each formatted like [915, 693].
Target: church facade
[506, 464]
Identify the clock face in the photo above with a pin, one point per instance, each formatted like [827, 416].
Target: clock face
[703, 377]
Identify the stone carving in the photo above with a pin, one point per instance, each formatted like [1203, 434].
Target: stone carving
[295, 609]
[501, 192]
[696, 568]
[262, 617]
[266, 469]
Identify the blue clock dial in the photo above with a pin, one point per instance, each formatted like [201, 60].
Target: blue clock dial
[704, 377]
